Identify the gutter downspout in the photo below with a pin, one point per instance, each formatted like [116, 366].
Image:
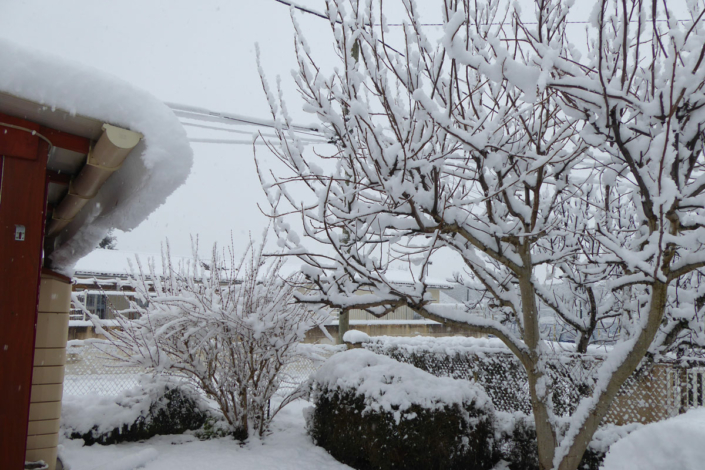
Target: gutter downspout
[104, 158]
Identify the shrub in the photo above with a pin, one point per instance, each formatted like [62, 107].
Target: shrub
[155, 408]
[372, 412]
[229, 327]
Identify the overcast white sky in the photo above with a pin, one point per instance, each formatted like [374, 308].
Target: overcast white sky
[198, 53]
[192, 52]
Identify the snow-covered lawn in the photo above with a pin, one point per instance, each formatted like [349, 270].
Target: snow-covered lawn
[288, 447]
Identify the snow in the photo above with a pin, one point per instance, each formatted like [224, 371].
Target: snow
[446, 345]
[159, 164]
[355, 336]
[133, 461]
[88, 323]
[674, 444]
[286, 448]
[81, 413]
[397, 276]
[392, 386]
[385, 322]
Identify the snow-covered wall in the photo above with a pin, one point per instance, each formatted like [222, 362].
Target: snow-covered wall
[156, 167]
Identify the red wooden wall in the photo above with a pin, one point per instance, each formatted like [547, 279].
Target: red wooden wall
[22, 202]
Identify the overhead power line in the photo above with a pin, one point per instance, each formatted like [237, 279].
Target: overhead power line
[234, 131]
[303, 8]
[204, 114]
[313, 12]
[245, 142]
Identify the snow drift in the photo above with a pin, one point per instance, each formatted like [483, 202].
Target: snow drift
[156, 167]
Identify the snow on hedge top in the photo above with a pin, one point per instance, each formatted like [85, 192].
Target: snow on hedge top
[156, 167]
[449, 345]
[391, 386]
[101, 414]
[454, 345]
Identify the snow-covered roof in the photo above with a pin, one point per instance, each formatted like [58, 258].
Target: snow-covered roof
[114, 263]
[405, 277]
[395, 276]
[74, 98]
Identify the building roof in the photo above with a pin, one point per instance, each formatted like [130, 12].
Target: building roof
[77, 99]
[116, 263]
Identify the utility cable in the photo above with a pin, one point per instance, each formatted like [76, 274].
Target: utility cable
[197, 113]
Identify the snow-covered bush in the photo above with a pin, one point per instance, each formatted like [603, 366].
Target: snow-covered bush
[372, 412]
[229, 328]
[155, 407]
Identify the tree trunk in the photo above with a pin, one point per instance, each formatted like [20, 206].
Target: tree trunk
[584, 336]
[545, 436]
[575, 452]
[241, 431]
[343, 324]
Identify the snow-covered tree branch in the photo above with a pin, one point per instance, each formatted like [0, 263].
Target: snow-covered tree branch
[229, 327]
[562, 179]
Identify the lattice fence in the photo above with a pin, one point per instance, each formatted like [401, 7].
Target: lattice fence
[91, 371]
[652, 393]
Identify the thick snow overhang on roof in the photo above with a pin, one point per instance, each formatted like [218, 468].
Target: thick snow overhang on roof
[77, 99]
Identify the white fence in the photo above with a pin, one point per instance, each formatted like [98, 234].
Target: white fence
[90, 371]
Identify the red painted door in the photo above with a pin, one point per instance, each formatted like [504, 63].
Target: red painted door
[22, 216]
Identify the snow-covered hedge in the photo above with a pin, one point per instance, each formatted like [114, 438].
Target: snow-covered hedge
[153, 408]
[489, 362]
[374, 412]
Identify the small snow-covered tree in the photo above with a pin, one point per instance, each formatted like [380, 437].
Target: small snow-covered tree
[230, 328]
[500, 141]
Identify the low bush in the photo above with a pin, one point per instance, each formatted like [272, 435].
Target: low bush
[372, 412]
[155, 408]
[231, 328]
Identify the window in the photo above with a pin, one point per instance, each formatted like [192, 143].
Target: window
[97, 305]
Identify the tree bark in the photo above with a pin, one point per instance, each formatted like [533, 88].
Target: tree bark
[659, 296]
[343, 324]
[545, 436]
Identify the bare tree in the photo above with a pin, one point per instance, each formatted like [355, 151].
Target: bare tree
[495, 141]
[231, 328]
[640, 96]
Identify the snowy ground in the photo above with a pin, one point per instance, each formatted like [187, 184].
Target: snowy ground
[288, 447]
[673, 444]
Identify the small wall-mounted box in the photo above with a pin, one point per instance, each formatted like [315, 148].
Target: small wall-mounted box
[19, 233]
